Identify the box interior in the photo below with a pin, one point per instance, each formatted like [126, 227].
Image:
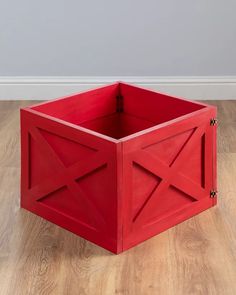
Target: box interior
[118, 110]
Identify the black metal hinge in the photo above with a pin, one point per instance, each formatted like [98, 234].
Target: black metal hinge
[213, 193]
[119, 103]
[213, 121]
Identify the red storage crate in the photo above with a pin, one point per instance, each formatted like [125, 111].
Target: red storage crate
[118, 164]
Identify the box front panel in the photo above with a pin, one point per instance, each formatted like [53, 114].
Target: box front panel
[168, 176]
[69, 178]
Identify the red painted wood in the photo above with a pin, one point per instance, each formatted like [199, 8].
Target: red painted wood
[73, 196]
[117, 178]
[167, 176]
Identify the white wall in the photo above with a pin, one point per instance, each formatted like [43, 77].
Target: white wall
[121, 38]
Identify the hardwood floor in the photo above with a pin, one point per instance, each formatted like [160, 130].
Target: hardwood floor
[196, 257]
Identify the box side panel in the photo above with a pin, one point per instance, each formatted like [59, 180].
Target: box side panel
[69, 178]
[82, 107]
[155, 107]
[168, 175]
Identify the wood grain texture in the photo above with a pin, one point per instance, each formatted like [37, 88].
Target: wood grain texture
[196, 257]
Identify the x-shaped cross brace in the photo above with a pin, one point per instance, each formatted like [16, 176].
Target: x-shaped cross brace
[169, 175]
[66, 176]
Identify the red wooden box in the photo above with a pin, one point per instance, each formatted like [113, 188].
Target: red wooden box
[118, 164]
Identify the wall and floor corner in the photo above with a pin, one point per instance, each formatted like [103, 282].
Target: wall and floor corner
[51, 49]
[45, 88]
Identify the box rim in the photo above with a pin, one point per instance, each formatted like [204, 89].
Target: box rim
[125, 138]
[206, 107]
